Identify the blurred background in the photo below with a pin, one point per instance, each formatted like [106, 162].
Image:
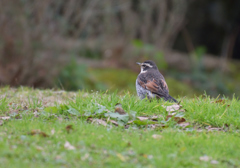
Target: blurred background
[95, 44]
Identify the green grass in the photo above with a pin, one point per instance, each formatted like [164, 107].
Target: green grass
[111, 146]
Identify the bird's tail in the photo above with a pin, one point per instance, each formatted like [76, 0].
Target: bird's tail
[170, 99]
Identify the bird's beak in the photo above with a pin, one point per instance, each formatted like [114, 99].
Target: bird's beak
[139, 63]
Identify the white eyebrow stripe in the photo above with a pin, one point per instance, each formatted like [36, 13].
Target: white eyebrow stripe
[148, 65]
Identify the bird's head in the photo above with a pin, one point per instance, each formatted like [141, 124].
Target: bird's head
[147, 65]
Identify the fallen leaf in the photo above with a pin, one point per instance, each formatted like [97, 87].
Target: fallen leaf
[204, 158]
[153, 126]
[177, 119]
[150, 156]
[182, 110]
[68, 146]
[144, 155]
[13, 112]
[39, 148]
[36, 114]
[1, 122]
[173, 107]
[214, 162]
[52, 131]
[69, 128]
[114, 122]
[119, 109]
[156, 116]
[143, 118]
[98, 121]
[222, 101]
[184, 124]
[210, 128]
[121, 157]
[5, 118]
[38, 132]
[58, 157]
[85, 156]
[156, 136]
[130, 122]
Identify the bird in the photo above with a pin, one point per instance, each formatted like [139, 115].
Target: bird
[150, 83]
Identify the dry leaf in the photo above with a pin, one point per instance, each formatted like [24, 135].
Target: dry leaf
[52, 131]
[85, 156]
[13, 112]
[153, 126]
[204, 158]
[5, 118]
[69, 128]
[222, 101]
[1, 122]
[156, 136]
[58, 157]
[143, 118]
[97, 121]
[130, 122]
[68, 146]
[210, 128]
[214, 162]
[114, 122]
[184, 124]
[38, 132]
[39, 148]
[119, 109]
[182, 110]
[156, 116]
[36, 114]
[145, 156]
[121, 157]
[173, 107]
[177, 119]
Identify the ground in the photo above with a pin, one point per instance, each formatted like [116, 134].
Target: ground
[48, 128]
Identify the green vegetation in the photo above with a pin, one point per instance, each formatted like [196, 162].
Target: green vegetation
[46, 128]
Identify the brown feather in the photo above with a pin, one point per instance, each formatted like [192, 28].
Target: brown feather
[160, 88]
[164, 84]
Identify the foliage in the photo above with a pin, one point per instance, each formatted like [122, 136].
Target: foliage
[87, 52]
[149, 51]
[74, 77]
[214, 82]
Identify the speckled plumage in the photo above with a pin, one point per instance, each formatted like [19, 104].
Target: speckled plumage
[150, 83]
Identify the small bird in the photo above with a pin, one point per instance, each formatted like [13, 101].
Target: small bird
[151, 83]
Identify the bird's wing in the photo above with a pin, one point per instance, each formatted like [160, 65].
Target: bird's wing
[158, 87]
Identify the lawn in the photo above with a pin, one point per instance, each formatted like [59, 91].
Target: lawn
[48, 128]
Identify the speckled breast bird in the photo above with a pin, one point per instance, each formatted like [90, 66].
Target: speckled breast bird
[151, 83]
